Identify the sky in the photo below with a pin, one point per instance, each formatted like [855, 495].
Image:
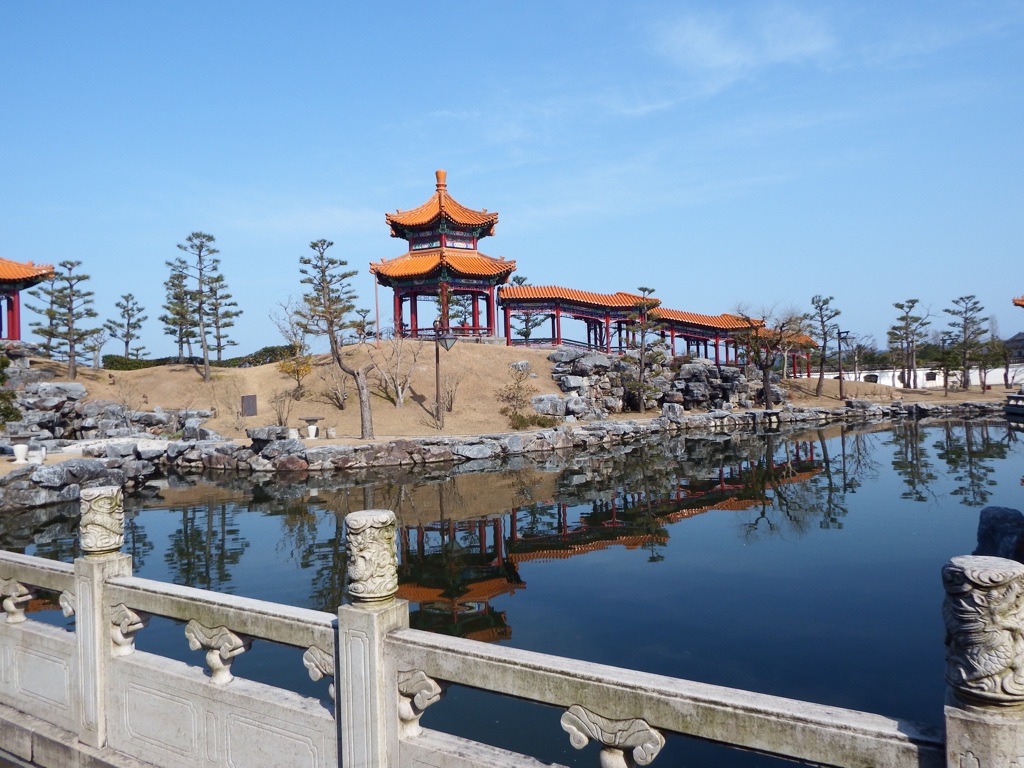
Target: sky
[726, 154]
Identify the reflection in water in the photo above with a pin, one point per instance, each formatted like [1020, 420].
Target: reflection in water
[464, 536]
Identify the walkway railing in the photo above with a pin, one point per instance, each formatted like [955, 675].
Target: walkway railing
[71, 697]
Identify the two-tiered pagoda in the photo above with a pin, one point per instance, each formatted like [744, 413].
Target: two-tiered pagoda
[443, 263]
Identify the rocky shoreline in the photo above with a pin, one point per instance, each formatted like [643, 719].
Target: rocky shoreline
[130, 460]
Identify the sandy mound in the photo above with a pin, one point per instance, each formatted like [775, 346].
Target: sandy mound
[482, 369]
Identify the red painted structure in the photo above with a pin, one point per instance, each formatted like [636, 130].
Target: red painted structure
[16, 276]
[443, 262]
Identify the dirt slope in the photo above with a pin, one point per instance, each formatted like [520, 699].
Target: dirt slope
[483, 369]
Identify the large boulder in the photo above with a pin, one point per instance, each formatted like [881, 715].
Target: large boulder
[549, 405]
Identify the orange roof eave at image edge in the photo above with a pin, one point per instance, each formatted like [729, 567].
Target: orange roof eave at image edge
[18, 270]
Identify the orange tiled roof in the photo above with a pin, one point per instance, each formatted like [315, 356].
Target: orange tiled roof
[723, 321]
[442, 205]
[16, 271]
[421, 263]
[552, 292]
[1019, 301]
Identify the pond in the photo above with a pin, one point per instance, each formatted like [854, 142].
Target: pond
[803, 565]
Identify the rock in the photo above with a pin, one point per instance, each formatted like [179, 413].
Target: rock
[283, 448]
[290, 463]
[590, 363]
[549, 405]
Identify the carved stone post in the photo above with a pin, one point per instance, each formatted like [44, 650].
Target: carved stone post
[367, 684]
[101, 533]
[984, 617]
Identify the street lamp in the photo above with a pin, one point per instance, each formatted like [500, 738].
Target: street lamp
[447, 341]
[840, 335]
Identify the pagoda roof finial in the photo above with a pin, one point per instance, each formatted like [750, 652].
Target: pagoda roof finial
[440, 206]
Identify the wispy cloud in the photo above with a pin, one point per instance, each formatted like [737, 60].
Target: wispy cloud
[717, 49]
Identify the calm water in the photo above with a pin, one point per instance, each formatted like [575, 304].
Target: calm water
[804, 566]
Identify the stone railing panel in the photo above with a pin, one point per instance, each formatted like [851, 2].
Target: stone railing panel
[799, 730]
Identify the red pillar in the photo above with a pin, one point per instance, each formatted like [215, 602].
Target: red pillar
[558, 323]
[476, 315]
[672, 337]
[508, 326]
[808, 366]
[15, 324]
[717, 342]
[608, 333]
[398, 312]
[492, 322]
[413, 314]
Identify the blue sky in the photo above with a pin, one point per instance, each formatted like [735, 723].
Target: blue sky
[753, 153]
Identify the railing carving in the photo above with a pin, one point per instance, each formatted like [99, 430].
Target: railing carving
[15, 595]
[320, 664]
[221, 645]
[417, 692]
[373, 559]
[617, 736]
[984, 617]
[124, 624]
[67, 603]
[102, 527]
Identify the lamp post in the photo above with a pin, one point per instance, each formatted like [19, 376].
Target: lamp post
[840, 335]
[447, 341]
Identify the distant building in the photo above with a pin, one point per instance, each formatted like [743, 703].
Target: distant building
[1015, 346]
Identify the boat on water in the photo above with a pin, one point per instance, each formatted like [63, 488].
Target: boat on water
[1014, 408]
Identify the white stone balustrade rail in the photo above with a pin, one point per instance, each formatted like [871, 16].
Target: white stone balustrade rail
[259, 619]
[795, 729]
[45, 574]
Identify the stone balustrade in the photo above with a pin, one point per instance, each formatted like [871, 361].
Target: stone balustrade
[87, 696]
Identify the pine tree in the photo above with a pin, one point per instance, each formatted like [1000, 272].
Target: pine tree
[71, 306]
[222, 316]
[328, 301]
[906, 336]
[825, 330]
[47, 327]
[178, 317]
[642, 326]
[126, 327]
[198, 269]
[968, 329]
[528, 321]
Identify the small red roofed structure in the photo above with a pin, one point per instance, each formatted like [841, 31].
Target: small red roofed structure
[16, 276]
[443, 262]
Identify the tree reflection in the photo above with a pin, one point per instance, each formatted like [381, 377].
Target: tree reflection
[911, 460]
[968, 449]
[205, 547]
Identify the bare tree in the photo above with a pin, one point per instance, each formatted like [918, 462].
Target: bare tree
[396, 362]
[766, 335]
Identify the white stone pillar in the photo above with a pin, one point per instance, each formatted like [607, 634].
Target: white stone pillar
[101, 533]
[367, 683]
[984, 617]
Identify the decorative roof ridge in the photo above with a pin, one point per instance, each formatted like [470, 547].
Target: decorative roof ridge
[441, 205]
